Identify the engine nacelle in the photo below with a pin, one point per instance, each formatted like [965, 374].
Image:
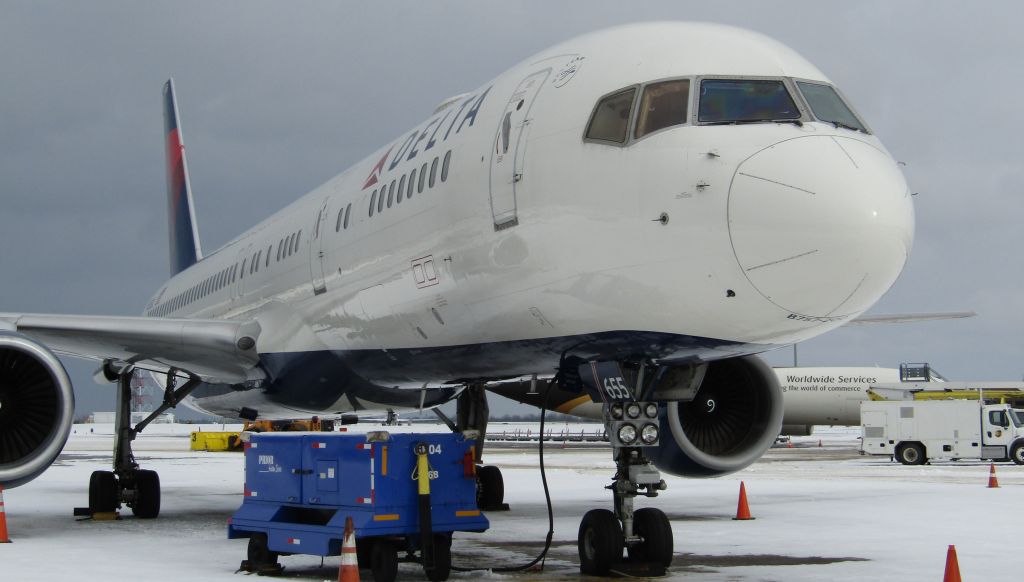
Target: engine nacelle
[37, 406]
[733, 419]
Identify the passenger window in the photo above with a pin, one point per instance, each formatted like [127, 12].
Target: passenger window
[270, 248]
[744, 101]
[243, 267]
[412, 183]
[380, 199]
[298, 238]
[259, 256]
[401, 190]
[337, 224]
[662, 105]
[423, 177]
[444, 166]
[433, 172]
[280, 245]
[610, 119]
[391, 193]
[348, 211]
[827, 106]
[373, 201]
[998, 418]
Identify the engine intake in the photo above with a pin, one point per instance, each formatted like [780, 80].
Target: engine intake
[37, 406]
[733, 419]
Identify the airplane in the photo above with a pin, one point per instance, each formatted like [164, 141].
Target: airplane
[638, 212]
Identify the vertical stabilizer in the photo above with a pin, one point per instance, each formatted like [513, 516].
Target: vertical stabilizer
[181, 215]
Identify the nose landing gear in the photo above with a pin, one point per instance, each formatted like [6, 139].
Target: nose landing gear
[644, 534]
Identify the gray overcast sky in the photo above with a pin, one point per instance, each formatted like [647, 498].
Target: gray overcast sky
[276, 98]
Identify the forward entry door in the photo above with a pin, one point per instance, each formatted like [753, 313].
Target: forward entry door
[509, 151]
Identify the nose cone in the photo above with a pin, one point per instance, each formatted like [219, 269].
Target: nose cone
[821, 225]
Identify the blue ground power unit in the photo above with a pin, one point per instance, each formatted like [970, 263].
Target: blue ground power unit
[301, 487]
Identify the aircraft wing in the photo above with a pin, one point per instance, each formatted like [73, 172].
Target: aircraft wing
[213, 349]
[909, 317]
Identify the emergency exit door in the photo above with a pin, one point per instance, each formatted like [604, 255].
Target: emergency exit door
[509, 150]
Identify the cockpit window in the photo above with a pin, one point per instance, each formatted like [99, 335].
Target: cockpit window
[610, 120]
[662, 105]
[744, 101]
[827, 106]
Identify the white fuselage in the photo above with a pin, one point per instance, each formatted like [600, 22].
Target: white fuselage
[829, 395]
[734, 238]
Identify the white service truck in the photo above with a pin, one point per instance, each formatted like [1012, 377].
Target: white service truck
[917, 431]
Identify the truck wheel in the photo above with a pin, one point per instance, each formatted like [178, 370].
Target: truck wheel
[364, 552]
[911, 454]
[1017, 453]
[384, 561]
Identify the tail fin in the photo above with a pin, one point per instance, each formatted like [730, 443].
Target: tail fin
[181, 216]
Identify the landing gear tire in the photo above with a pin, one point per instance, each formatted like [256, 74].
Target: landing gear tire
[147, 494]
[103, 492]
[911, 454]
[600, 542]
[490, 492]
[1017, 453]
[442, 559]
[259, 555]
[384, 561]
[657, 546]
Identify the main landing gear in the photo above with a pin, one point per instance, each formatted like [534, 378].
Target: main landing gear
[127, 484]
[471, 415]
[644, 534]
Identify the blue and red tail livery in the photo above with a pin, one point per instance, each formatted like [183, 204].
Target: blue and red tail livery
[181, 217]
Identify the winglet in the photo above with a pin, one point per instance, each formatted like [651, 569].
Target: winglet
[181, 216]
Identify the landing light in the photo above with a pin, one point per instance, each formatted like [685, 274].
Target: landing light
[649, 434]
[651, 410]
[616, 411]
[633, 410]
[627, 434]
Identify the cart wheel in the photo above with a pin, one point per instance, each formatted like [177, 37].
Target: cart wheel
[147, 494]
[102, 492]
[364, 552]
[600, 542]
[653, 526]
[442, 559]
[383, 561]
[260, 555]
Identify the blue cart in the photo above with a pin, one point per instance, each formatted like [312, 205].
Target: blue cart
[403, 492]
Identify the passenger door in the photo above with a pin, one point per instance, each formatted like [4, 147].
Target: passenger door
[509, 151]
[318, 250]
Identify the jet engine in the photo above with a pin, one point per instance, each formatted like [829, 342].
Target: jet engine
[731, 421]
[37, 405]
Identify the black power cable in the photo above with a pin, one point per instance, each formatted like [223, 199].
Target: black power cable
[543, 477]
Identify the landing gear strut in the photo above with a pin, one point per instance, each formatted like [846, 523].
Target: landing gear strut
[128, 484]
[645, 534]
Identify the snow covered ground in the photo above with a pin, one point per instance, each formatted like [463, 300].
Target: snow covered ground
[822, 513]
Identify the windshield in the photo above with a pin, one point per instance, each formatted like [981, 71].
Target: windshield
[827, 106]
[1018, 417]
[739, 101]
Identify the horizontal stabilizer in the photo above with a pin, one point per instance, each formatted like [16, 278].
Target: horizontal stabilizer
[909, 317]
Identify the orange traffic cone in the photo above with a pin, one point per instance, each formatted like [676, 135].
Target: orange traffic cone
[952, 566]
[742, 511]
[789, 444]
[992, 481]
[4, 538]
[349, 569]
